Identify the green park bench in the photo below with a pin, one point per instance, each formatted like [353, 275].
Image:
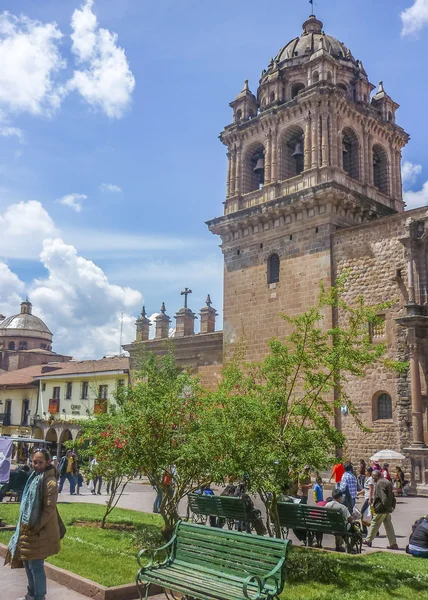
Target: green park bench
[318, 519]
[216, 564]
[227, 509]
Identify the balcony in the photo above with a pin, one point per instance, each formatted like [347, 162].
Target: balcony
[53, 406]
[100, 406]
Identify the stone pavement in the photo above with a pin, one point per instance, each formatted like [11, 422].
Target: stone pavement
[13, 585]
[139, 495]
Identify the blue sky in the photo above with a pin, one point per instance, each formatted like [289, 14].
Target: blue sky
[154, 145]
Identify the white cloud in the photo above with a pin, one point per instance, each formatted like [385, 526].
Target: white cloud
[11, 290]
[79, 303]
[105, 81]
[110, 187]
[415, 199]
[23, 227]
[30, 60]
[410, 172]
[415, 17]
[73, 201]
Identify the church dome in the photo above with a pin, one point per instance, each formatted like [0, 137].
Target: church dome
[24, 324]
[313, 39]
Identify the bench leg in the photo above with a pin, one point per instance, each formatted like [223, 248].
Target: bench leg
[142, 588]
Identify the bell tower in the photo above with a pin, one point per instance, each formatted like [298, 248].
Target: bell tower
[310, 153]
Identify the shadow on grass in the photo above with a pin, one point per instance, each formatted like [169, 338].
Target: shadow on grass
[358, 574]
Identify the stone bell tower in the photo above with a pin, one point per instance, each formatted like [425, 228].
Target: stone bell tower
[311, 153]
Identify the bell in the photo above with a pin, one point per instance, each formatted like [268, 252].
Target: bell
[298, 152]
[260, 167]
[344, 148]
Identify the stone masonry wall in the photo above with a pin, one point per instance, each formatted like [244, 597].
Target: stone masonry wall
[252, 307]
[377, 269]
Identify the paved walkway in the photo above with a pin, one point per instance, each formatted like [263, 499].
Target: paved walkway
[139, 495]
[13, 585]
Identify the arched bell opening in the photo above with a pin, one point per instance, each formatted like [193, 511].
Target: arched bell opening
[254, 168]
[380, 169]
[350, 153]
[296, 89]
[292, 149]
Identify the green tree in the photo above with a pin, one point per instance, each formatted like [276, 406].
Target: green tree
[272, 418]
[165, 413]
[104, 437]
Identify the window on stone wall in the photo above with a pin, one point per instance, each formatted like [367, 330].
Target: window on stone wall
[378, 329]
[273, 268]
[22, 345]
[383, 407]
[11, 345]
[68, 390]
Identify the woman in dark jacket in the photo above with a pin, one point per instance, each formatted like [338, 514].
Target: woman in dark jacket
[39, 527]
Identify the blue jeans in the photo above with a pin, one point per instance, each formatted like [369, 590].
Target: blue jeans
[71, 478]
[419, 553]
[36, 576]
[158, 501]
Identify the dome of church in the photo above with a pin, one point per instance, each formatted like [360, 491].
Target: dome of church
[313, 39]
[24, 324]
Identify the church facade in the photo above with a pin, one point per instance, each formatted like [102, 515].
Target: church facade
[314, 189]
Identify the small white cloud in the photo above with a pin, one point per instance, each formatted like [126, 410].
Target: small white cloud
[30, 60]
[73, 201]
[110, 187]
[416, 199]
[415, 17]
[105, 81]
[410, 172]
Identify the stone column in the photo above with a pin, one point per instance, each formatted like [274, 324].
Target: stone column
[411, 277]
[229, 175]
[274, 157]
[340, 149]
[415, 388]
[324, 141]
[232, 162]
[393, 173]
[365, 164]
[238, 170]
[268, 157]
[398, 174]
[370, 158]
[307, 144]
[314, 140]
[333, 138]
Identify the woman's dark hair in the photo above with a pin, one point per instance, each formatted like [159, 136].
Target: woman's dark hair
[369, 470]
[43, 451]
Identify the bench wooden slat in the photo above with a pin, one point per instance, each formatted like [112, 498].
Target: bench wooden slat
[213, 564]
[318, 519]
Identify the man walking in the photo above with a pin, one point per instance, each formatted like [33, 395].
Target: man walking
[348, 485]
[68, 470]
[383, 502]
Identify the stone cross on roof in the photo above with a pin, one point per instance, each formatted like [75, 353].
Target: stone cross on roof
[185, 293]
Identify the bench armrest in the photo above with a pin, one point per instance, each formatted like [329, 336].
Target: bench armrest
[249, 579]
[153, 553]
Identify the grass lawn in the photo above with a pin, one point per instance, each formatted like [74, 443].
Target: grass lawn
[108, 557]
